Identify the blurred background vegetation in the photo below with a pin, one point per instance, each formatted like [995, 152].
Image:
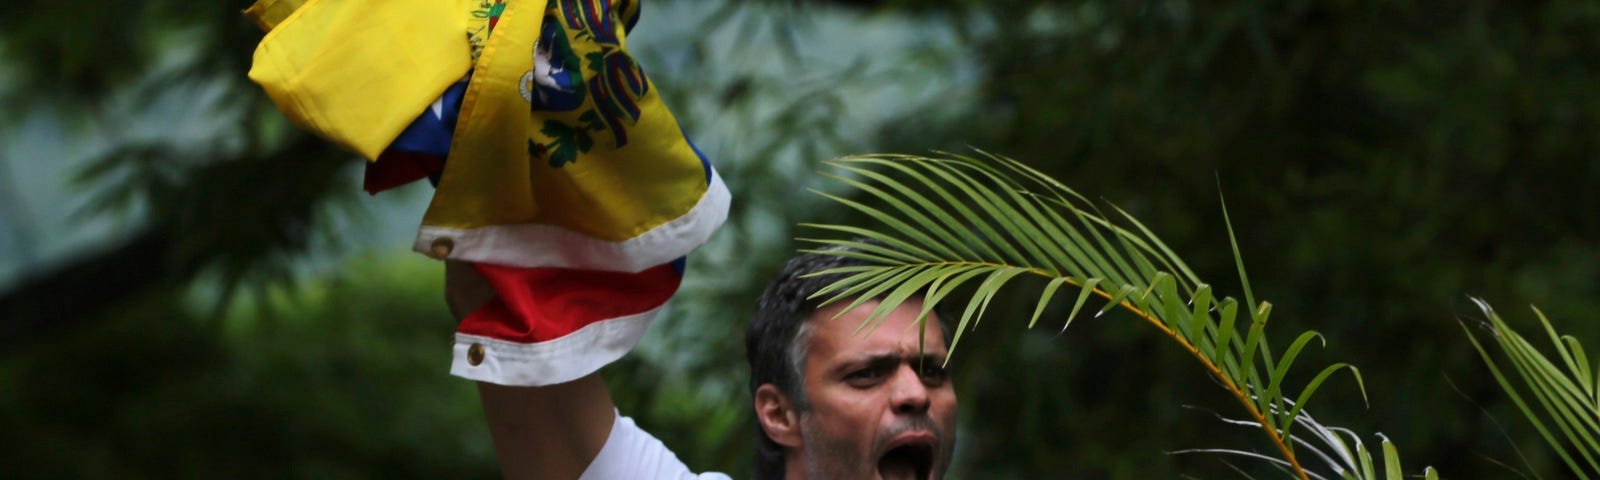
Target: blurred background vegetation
[189, 287]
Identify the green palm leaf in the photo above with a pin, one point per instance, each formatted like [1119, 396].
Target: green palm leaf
[951, 221]
[1565, 399]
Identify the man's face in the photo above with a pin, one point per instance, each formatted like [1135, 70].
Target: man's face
[878, 407]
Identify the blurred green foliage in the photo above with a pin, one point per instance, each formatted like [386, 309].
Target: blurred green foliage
[333, 378]
[1383, 159]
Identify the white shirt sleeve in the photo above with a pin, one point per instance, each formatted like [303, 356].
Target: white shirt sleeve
[631, 453]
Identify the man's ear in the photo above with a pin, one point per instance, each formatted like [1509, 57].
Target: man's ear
[777, 416]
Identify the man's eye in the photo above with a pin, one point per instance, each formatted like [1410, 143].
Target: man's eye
[864, 375]
[935, 372]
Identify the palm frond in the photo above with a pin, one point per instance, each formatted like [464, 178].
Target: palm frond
[1565, 393]
[952, 220]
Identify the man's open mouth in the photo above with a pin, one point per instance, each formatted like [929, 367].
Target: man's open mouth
[912, 461]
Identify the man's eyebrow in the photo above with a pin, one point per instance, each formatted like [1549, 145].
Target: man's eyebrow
[865, 360]
[883, 359]
[927, 359]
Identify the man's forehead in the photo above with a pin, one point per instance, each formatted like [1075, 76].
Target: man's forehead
[899, 333]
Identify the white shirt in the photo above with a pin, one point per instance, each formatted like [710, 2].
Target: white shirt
[631, 453]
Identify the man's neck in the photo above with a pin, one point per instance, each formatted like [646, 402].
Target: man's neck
[793, 467]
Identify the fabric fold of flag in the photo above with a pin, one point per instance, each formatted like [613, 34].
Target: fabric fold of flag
[353, 73]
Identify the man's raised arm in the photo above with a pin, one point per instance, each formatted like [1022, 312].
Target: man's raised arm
[566, 199]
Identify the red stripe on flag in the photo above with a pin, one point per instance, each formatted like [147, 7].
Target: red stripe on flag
[541, 304]
[395, 168]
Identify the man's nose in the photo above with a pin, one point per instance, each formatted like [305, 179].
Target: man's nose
[909, 393]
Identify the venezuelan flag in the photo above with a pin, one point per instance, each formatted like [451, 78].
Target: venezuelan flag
[560, 173]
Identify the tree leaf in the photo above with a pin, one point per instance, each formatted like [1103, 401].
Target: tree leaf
[1044, 298]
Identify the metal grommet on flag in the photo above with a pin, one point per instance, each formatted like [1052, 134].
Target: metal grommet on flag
[475, 354]
[441, 247]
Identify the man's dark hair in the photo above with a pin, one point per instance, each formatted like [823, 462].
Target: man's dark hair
[776, 340]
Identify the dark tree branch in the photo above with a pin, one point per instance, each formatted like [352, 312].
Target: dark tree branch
[234, 215]
[55, 301]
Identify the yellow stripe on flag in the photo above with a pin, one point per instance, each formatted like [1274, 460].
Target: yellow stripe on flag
[356, 73]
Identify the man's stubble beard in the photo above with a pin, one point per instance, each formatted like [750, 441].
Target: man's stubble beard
[826, 457]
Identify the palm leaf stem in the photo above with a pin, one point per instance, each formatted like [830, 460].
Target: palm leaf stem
[1216, 372]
